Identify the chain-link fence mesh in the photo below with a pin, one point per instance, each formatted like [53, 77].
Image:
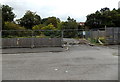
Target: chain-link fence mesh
[39, 38]
[30, 33]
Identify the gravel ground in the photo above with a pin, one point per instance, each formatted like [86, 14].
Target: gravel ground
[80, 62]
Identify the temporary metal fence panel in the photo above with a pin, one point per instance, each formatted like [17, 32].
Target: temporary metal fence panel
[9, 42]
[101, 33]
[40, 38]
[109, 35]
[29, 38]
[119, 36]
[70, 33]
[24, 42]
[116, 35]
[94, 34]
[42, 42]
[112, 35]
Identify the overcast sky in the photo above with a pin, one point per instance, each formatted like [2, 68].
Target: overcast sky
[77, 9]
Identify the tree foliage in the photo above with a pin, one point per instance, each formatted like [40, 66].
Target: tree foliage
[51, 20]
[29, 20]
[38, 27]
[103, 18]
[69, 24]
[48, 27]
[7, 14]
[69, 27]
[12, 26]
[50, 31]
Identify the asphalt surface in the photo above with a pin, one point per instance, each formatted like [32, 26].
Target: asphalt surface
[32, 50]
[81, 62]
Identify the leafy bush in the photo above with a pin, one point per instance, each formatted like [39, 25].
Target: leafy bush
[49, 30]
[13, 26]
[10, 27]
[38, 27]
[49, 27]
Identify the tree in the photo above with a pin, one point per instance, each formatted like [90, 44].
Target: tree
[49, 27]
[115, 17]
[50, 31]
[38, 27]
[104, 10]
[29, 20]
[12, 26]
[69, 24]
[7, 14]
[103, 18]
[51, 20]
[69, 27]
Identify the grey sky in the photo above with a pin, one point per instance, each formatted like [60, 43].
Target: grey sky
[119, 4]
[77, 9]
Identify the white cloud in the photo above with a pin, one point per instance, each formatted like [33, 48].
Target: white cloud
[77, 9]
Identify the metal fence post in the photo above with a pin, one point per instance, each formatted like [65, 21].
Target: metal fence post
[91, 34]
[118, 36]
[106, 35]
[113, 35]
[62, 36]
[98, 35]
[32, 42]
[0, 38]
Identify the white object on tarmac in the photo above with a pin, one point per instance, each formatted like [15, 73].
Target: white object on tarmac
[67, 48]
[100, 41]
[66, 71]
[55, 69]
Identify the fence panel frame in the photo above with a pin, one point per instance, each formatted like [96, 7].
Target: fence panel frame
[26, 42]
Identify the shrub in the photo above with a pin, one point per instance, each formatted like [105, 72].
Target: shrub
[12, 26]
[9, 26]
[38, 27]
